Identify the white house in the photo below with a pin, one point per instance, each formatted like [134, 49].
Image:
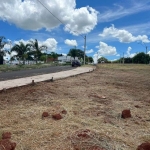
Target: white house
[66, 58]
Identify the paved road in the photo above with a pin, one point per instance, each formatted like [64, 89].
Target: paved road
[32, 72]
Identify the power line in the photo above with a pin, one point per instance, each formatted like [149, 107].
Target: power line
[57, 17]
[50, 11]
[144, 45]
[84, 37]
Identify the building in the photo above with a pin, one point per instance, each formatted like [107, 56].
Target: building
[64, 59]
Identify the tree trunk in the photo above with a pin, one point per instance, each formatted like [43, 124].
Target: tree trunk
[1, 60]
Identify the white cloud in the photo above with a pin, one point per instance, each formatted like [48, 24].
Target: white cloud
[51, 43]
[128, 54]
[142, 28]
[31, 15]
[89, 51]
[96, 56]
[118, 55]
[6, 46]
[82, 20]
[71, 42]
[128, 50]
[106, 50]
[123, 35]
[64, 54]
[118, 10]
[148, 52]
[13, 54]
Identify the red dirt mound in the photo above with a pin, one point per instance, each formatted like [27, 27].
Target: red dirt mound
[144, 146]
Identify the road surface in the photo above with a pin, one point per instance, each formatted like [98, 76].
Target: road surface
[32, 72]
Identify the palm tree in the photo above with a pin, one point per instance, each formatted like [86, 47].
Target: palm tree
[21, 49]
[37, 49]
[2, 52]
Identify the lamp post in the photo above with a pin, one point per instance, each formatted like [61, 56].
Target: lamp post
[84, 47]
[46, 54]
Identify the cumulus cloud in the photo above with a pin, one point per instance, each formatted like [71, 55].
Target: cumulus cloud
[106, 50]
[64, 54]
[128, 54]
[71, 42]
[51, 44]
[128, 50]
[96, 56]
[118, 55]
[122, 35]
[89, 51]
[148, 52]
[31, 15]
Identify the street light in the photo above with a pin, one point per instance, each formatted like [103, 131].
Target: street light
[46, 54]
[84, 47]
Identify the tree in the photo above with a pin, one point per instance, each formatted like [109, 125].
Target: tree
[141, 58]
[103, 59]
[2, 52]
[128, 60]
[54, 55]
[21, 49]
[90, 59]
[76, 53]
[37, 49]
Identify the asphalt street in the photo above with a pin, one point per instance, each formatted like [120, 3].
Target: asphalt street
[32, 72]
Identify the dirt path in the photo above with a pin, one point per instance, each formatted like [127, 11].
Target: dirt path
[93, 103]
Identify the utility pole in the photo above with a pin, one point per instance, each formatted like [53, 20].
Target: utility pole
[146, 49]
[123, 57]
[84, 47]
[97, 57]
[46, 55]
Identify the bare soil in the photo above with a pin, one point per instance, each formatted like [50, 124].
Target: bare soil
[92, 102]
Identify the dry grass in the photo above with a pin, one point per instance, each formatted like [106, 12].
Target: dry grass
[93, 101]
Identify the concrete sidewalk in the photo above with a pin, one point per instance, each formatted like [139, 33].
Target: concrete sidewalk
[39, 78]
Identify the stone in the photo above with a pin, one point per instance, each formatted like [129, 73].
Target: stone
[84, 134]
[126, 114]
[95, 148]
[5, 144]
[6, 135]
[57, 116]
[144, 146]
[45, 114]
[137, 106]
[64, 112]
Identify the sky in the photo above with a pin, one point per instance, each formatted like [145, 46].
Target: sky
[113, 28]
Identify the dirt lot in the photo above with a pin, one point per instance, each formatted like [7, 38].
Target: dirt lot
[91, 106]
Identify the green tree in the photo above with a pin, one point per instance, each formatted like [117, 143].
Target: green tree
[37, 49]
[2, 52]
[21, 49]
[128, 60]
[141, 58]
[103, 59]
[76, 53]
[54, 55]
[90, 59]
[43, 58]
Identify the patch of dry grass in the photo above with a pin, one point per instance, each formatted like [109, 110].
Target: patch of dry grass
[93, 101]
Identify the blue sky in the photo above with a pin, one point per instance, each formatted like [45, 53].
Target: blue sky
[112, 27]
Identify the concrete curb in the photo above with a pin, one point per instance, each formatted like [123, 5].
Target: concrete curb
[46, 77]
